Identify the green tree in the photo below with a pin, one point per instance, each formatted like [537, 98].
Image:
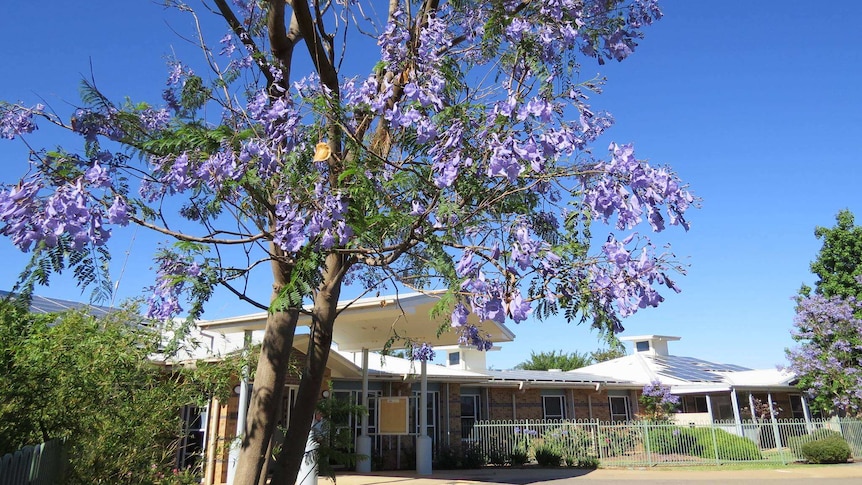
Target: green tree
[555, 360]
[828, 322]
[838, 265]
[89, 381]
[458, 159]
[603, 355]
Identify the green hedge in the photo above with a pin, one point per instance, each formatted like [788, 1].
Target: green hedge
[795, 444]
[832, 449]
[699, 442]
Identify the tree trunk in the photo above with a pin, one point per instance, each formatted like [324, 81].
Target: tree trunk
[323, 319]
[269, 380]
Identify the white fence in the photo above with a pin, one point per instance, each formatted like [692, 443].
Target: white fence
[642, 443]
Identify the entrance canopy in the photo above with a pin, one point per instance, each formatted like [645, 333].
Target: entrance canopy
[368, 323]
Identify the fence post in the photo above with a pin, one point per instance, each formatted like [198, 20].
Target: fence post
[646, 443]
[714, 441]
[599, 440]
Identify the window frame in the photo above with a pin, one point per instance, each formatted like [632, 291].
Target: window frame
[562, 401]
[615, 416]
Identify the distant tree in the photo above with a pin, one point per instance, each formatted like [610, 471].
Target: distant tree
[603, 355]
[89, 382]
[657, 402]
[828, 322]
[553, 360]
[839, 263]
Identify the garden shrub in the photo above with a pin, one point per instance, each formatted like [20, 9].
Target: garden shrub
[447, 458]
[618, 441]
[472, 457]
[547, 455]
[518, 457]
[730, 447]
[454, 457]
[571, 442]
[497, 457]
[832, 449]
[795, 443]
[698, 442]
[588, 462]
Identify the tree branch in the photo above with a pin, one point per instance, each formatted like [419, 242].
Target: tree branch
[244, 37]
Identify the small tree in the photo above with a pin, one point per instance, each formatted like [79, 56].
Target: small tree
[657, 402]
[89, 381]
[553, 360]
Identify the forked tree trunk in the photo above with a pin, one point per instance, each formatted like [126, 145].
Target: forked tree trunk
[289, 461]
[269, 383]
[269, 380]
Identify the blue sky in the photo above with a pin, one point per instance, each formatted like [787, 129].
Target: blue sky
[755, 104]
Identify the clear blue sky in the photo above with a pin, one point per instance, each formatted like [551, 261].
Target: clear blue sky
[756, 105]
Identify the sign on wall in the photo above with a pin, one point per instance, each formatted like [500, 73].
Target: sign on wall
[394, 415]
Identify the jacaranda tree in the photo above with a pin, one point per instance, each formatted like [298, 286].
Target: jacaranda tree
[455, 157]
[828, 323]
[828, 359]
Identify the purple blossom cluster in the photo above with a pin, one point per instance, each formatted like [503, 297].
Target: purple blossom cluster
[16, 120]
[173, 274]
[632, 189]
[656, 390]
[423, 352]
[33, 212]
[625, 280]
[325, 226]
[657, 401]
[828, 359]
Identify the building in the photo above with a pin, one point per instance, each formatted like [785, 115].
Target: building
[463, 391]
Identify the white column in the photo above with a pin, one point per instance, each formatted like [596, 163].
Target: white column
[774, 422]
[423, 441]
[363, 441]
[806, 412]
[709, 408]
[734, 401]
[751, 407]
[241, 414]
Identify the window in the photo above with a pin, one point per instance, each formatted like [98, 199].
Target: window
[431, 412]
[694, 404]
[469, 414]
[454, 358]
[553, 407]
[191, 447]
[797, 407]
[619, 408]
[642, 346]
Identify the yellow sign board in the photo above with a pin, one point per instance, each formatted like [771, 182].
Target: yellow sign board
[394, 415]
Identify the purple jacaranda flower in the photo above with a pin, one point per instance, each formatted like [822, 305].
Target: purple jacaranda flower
[118, 213]
[459, 315]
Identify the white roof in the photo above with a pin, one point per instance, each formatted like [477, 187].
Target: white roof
[370, 322]
[686, 375]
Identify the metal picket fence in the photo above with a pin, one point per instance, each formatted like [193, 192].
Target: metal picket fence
[40, 464]
[643, 443]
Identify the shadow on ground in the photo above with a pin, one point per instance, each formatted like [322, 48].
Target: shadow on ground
[501, 475]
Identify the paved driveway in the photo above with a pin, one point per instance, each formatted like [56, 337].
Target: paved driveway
[821, 475]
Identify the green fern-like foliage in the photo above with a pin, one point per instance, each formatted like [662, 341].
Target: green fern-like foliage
[90, 267]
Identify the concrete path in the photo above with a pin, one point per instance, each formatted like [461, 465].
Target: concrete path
[820, 474]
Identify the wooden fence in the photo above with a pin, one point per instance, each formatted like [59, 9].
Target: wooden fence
[41, 464]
